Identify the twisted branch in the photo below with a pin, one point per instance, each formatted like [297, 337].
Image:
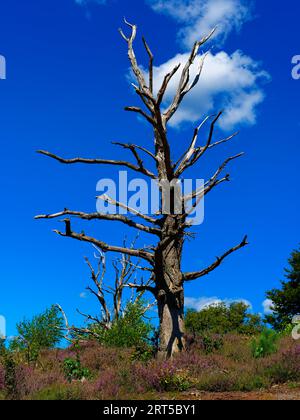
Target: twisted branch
[140, 253]
[99, 216]
[197, 274]
[98, 162]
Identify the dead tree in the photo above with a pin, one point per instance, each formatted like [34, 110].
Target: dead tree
[109, 294]
[170, 230]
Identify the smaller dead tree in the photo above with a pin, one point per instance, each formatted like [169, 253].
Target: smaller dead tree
[109, 294]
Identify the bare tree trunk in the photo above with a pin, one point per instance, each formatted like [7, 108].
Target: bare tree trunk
[171, 316]
[170, 295]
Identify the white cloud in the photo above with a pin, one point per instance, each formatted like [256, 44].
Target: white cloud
[268, 306]
[200, 17]
[83, 295]
[229, 82]
[205, 302]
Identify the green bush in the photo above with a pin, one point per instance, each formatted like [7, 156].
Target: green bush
[10, 377]
[74, 371]
[42, 332]
[223, 319]
[143, 353]
[286, 299]
[178, 383]
[265, 344]
[2, 347]
[212, 344]
[128, 331]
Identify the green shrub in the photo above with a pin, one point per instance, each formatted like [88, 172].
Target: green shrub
[177, 382]
[279, 374]
[42, 332]
[223, 319]
[10, 377]
[286, 299]
[74, 371]
[212, 344]
[128, 331]
[143, 353]
[265, 344]
[2, 347]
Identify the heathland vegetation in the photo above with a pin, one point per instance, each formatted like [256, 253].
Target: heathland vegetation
[228, 349]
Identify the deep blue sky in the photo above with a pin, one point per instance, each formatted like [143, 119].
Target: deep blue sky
[65, 92]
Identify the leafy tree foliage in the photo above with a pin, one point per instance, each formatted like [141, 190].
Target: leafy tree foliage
[286, 301]
[43, 331]
[222, 319]
[130, 330]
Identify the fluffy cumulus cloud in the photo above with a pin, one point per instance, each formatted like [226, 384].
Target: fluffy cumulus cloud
[199, 17]
[205, 302]
[268, 306]
[229, 82]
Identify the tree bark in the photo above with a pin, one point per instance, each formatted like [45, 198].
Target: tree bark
[169, 281]
[171, 337]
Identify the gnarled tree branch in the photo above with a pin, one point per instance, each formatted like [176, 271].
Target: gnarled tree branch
[213, 181]
[184, 87]
[99, 216]
[141, 112]
[197, 274]
[97, 162]
[109, 200]
[151, 58]
[131, 146]
[139, 253]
